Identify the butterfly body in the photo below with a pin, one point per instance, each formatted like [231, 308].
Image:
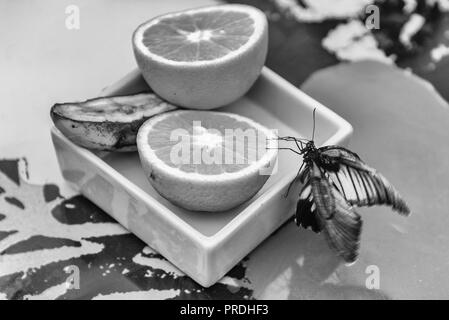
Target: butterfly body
[335, 180]
[313, 154]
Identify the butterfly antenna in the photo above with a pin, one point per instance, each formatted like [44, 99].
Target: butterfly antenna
[313, 130]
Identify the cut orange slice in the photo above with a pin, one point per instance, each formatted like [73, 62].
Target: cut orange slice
[203, 34]
[203, 58]
[206, 161]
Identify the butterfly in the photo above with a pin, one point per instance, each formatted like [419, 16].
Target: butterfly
[335, 180]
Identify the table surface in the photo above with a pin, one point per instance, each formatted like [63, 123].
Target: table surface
[398, 110]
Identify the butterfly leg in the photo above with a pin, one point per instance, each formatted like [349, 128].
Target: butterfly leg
[297, 145]
[284, 148]
[294, 180]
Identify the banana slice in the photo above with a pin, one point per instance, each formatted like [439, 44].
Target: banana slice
[109, 123]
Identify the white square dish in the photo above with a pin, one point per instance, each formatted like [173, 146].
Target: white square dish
[203, 245]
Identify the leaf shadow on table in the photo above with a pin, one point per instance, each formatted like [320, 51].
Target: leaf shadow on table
[42, 233]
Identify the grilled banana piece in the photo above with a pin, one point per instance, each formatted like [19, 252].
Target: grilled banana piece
[109, 123]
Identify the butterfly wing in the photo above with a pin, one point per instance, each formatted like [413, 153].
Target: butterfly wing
[360, 184]
[337, 151]
[306, 210]
[323, 208]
